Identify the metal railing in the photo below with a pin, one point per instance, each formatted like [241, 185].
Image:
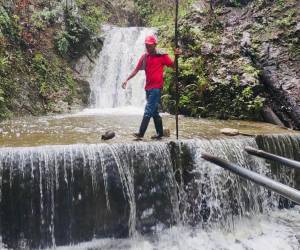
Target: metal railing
[269, 156]
[284, 190]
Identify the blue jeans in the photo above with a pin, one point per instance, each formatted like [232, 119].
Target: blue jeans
[153, 101]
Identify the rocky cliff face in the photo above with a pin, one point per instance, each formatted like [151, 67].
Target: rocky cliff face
[276, 52]
[244, 58]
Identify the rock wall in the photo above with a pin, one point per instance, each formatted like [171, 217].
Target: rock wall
[248, 52]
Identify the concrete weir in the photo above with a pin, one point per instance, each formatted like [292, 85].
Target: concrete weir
[59, 195]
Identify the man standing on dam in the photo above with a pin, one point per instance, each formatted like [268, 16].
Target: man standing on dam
[153, 63]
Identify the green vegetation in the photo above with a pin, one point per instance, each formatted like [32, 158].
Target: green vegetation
[10, 30]
[280, 2]
[92, 15]
[50, 80]
[43, 19]
[39, 42]
[36, 82]
[288, 20]
[200, 96]
[161, 13]
[76, 38]
[235, 3]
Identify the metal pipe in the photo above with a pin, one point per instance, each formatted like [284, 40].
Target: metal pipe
[264, 181]
[276, 158]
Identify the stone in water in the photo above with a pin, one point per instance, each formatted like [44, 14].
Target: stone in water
[108, 135]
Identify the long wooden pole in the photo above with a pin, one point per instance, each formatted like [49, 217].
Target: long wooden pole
[176, 66]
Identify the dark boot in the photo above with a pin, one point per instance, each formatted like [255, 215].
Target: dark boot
[159, 128]
[143, 127]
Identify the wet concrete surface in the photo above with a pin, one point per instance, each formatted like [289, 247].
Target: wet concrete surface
[88, 129]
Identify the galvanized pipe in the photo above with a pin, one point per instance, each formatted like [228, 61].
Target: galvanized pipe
[276, 158]
[264, 181]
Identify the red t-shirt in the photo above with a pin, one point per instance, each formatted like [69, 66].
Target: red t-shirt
[154, 69]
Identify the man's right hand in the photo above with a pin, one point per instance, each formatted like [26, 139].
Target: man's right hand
[177, 51]
[124, 84]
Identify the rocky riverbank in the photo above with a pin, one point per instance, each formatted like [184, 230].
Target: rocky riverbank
[241, 60]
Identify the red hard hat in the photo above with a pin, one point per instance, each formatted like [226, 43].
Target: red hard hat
[150, 40]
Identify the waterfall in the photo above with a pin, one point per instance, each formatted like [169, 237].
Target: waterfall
[60, 195]
[121, 51]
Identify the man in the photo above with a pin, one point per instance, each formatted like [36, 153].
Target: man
[153, 63]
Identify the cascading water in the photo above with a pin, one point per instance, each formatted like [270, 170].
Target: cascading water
[218, 194]
[69, 194]
[61, 195]
[121, 51]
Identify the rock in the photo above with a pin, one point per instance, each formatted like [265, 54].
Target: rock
[31, 8]
[206, 49]
[167, 132]
[225, 42]
[284, 96]
[83, 90]
[246, 41]
[288, 86]
[229, 131]
[201, 6]
[298, 26]
[216, 79]
[273, 52]
[233, 132]
[271, 117]
[248, 79]
[221, 70]
[108, 135]
[83, 67]
[257, 48]
[60, 107]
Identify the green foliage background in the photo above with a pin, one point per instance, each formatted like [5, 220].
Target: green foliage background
[37, 52]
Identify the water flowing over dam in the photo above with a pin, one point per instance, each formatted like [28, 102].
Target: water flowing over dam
[62, 187]
[57, 195]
